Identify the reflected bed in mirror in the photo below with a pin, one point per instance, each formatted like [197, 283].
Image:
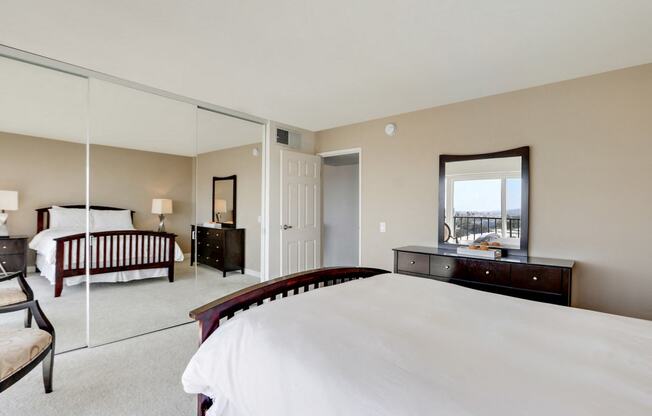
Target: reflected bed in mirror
[485, 196]
[224, 200]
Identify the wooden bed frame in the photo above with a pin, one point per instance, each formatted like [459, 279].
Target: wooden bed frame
[158, 254]
[210, 315]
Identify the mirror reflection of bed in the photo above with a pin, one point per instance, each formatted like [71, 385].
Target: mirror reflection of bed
[141, 147]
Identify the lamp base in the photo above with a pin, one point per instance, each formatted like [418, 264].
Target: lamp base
[4, 232]
[161, 223]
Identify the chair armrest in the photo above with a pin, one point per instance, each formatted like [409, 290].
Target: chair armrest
[12, 275]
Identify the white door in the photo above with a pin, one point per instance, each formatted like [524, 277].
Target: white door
[300, 212]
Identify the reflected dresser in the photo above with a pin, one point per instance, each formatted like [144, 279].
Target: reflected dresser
[221, 248]
[533, 278]
[13, 254]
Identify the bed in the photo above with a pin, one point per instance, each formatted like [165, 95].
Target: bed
[118, 252]
[369, 342]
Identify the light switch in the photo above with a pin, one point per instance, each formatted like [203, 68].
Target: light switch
[383, 227]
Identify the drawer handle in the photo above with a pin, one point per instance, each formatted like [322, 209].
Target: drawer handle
[447, 267]
[4, 262]
[486, 272]
[4, 247]
[535, 278]
[412, 262]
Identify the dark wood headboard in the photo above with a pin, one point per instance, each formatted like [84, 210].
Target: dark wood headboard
[43, 217]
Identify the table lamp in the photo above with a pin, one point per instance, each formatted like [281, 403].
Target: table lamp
[8, 202]
[220, 208]
[161, 207]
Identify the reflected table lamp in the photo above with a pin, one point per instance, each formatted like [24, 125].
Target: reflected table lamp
[8, 202]
[161, 207]
[220, 208]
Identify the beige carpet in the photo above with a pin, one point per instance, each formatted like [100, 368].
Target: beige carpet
[139, 376]
[123, 310]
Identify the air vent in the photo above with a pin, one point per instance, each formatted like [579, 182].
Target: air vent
[282, 136]
[288, 138]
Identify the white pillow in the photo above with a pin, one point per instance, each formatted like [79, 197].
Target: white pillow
[105, 220]
[74, 218]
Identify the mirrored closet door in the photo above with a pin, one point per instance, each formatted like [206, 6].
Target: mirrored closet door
[227, 234]
[142, 183]
[43, 142]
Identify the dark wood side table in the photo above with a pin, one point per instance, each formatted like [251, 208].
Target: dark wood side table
[13, 254]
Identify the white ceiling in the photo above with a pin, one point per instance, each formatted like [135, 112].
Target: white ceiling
[321, 64]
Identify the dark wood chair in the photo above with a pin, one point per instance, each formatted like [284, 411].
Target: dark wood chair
[11, 296]
[22, 349]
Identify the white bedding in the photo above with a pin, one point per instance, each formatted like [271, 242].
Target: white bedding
[46, 248]
[398, 345]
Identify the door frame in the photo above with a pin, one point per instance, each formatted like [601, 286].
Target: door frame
[351, 151]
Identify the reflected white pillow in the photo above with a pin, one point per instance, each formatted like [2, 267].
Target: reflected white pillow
[111, 220]
[74, 218]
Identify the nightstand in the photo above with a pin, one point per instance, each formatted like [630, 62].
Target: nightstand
[13, 254]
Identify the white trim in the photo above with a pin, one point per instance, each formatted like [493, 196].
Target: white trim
[358, 151]
[266, 201]
[263, 275]
[252, 273]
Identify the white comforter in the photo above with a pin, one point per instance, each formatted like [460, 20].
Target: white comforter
[398, 345]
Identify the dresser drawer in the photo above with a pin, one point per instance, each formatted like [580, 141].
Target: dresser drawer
[13, 262]
[545, 279]
[8, 246]
[484, 271]
[444, 266]
[413, 262]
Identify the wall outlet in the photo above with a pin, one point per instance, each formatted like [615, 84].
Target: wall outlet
[383, 227]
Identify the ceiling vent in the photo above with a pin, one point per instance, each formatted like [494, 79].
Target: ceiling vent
[288, 138]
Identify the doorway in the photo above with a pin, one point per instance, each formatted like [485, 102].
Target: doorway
[341, 208]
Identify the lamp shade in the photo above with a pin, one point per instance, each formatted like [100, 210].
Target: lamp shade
[220, 205]
[161, 206]
[9, 200]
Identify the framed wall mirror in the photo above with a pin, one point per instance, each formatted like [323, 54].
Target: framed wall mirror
[485, 196]
[224, 200]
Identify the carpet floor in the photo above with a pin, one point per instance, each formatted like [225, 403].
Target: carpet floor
[123, 310]
[138, 376]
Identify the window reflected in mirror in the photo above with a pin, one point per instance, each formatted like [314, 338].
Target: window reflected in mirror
[483, 197]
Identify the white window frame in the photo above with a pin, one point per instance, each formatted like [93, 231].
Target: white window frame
[502, 176]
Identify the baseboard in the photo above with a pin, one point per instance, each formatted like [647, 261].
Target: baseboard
[252, 273]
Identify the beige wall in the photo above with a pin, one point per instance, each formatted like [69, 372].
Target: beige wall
[132, 178]
[235, 161]
[50, 172]
[591, 177]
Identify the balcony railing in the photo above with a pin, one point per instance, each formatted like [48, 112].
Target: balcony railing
[470, 228]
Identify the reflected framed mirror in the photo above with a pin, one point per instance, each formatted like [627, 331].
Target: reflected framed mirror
[224, 200]
[485, 197]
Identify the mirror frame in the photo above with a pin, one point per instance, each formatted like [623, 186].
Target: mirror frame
[524, 153]
[234, 178]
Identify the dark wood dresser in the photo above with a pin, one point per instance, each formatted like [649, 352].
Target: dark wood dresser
[13, 254]
[221, 248]
[534, 278]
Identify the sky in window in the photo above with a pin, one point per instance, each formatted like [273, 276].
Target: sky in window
[484, 195]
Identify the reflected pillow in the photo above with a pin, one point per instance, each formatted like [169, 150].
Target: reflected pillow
[102, 220]
[68, 218]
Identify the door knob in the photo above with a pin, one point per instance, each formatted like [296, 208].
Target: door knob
[285, 226]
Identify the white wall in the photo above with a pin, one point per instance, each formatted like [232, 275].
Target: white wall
[340, 196]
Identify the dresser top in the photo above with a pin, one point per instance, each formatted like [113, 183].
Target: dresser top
[539, 261]
[14, 237]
